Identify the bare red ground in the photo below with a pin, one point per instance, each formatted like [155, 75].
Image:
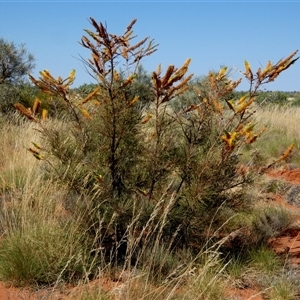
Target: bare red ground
[245, 294]
[288, 244]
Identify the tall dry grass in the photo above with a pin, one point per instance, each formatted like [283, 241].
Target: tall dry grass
[281, 123]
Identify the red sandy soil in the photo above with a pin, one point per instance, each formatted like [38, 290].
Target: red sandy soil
[287, 244]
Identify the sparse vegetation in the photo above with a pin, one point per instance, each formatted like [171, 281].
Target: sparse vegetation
[153, 182]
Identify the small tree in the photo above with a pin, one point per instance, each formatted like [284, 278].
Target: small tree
[15, 62]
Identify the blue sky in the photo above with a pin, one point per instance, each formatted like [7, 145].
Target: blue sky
[211, 33]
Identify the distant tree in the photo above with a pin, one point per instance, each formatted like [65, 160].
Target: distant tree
[15, 62]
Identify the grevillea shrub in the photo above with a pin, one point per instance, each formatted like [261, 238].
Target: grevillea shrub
[150, 171]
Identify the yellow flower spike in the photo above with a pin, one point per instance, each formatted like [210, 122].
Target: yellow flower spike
[44, 114]
[72, 74]
[116, 75]
[248, 73]
[268, 68]
[85, 113]
[230, 139]
[47, 74]
[179, 73]
[36, 146]
[244, 105]
[242, 99]
[158, 71]
[38, 156]
[71, 77]
[248, 128]
[99, 178]
[222, 73]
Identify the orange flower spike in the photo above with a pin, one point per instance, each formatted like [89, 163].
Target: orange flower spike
[286, 153]
[134, 100]
[147, 118]
[90, 95]
[36, 106]
[129, 80]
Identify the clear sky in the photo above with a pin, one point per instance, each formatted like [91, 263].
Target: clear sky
[211, 33]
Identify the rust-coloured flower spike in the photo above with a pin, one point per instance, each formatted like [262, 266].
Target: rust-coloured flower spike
[147, 118]
[129, 27]
[24, 111]
[167, 76]
[179, 73]
[156, 80]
